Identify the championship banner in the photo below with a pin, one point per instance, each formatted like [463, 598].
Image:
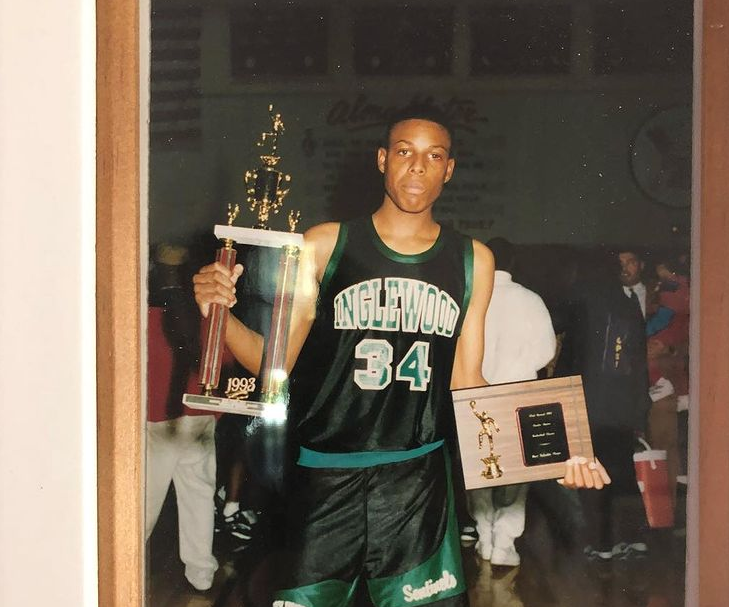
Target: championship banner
[521, 432]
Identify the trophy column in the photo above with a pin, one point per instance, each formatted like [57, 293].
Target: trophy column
[273, 389]
[214, 330]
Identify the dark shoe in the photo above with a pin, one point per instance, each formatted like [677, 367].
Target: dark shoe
[239, 528]
[601, 556]
[625, 551]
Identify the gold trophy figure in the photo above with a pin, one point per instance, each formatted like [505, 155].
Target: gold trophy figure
[265, 196]
[265, 191]
[488, 427]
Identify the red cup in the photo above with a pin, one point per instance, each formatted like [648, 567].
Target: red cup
[652, 474]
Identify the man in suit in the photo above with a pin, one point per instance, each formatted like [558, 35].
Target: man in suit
[610, 353]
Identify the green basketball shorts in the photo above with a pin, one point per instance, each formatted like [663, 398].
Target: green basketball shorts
[390, 526]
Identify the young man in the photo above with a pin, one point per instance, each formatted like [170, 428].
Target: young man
[393, 307]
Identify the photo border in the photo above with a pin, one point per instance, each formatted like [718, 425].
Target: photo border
[119, 354]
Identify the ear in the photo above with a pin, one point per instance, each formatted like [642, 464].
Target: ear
[381, 159]
[449, 170]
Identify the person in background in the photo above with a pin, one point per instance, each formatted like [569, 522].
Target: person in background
[180, 441]
[519, 341]
[610, 354]
[674, 293]
[667, 361]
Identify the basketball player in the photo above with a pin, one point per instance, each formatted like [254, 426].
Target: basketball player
[389, 316]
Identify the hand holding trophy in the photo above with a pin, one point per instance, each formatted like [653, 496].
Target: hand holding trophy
[215, 291]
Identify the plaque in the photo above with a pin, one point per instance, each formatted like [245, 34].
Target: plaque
[274, 261]
[521, 432]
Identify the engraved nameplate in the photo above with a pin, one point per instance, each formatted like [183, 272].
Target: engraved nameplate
[543, 434]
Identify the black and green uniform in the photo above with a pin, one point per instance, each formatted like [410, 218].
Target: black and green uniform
[371, 406]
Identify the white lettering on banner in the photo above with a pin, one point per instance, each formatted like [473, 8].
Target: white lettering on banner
[279, 603]
[409, 305]
[447, 581]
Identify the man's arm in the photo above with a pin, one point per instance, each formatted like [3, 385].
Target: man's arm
[469, 348]
[319, 245]
[216, 284]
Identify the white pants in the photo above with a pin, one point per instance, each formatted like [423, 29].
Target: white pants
[182, 450]
[498, 526]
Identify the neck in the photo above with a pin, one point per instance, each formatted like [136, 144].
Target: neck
[406, 233]
[389, 219]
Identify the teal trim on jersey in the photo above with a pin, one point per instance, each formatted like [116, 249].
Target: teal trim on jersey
[360, 459]
[329, 593]
[335, 257]
[402, 257]
[468, 266]
[438, 578]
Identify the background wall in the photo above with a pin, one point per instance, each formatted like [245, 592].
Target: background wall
[550, 124]
[47, 401]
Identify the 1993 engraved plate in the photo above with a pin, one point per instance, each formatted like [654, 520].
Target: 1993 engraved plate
[520, 432]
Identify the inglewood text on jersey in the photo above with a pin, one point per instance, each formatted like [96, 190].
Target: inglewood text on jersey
[402, 304]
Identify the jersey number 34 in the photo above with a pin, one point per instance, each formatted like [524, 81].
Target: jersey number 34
[377, 375]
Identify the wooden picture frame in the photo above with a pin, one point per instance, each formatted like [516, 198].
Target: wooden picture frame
[119, 356]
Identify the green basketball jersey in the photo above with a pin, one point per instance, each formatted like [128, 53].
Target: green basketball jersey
[375, 371]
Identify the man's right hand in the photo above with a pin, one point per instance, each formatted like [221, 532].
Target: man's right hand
[215, 284]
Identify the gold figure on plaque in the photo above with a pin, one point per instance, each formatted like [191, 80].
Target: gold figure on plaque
[488, 427]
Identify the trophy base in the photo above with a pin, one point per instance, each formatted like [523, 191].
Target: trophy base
[218, 404]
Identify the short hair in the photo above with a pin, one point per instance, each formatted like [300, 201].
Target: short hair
[504, 253]
[637, 251]
[429, 112]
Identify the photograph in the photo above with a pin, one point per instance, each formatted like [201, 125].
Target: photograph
[354, 216]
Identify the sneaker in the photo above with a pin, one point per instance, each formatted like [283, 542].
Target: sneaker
[240, 524]
[624, 551]
[593, 554]
[240, 527]
[506, 557]
[469, 536]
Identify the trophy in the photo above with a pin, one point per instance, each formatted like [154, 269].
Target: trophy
[266, 188]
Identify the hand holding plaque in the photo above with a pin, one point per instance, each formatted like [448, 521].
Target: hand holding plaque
[214, 286]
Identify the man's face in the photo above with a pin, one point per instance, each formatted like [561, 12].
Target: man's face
[416, 164]
[630, 269]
